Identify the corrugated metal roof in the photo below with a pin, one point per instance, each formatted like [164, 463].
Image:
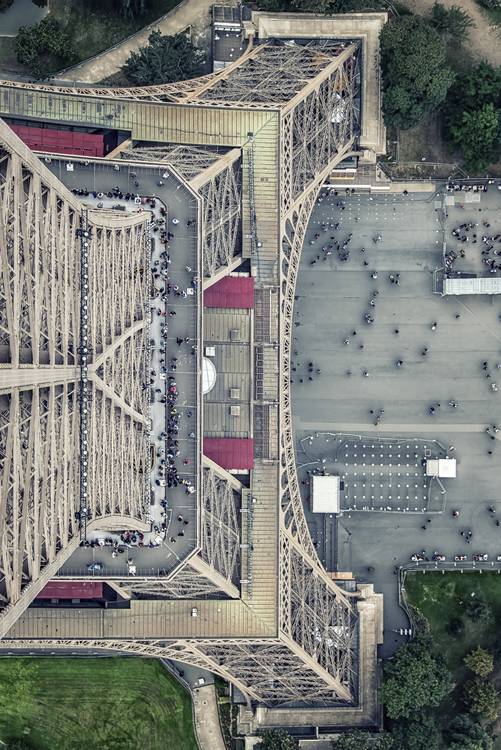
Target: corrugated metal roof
[72, 590]
[235, 292]
[230, 453]
[473, 285]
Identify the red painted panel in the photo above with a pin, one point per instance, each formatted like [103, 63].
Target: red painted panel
[72, 590]
[230, 453]
[235, 292]
[60, 141]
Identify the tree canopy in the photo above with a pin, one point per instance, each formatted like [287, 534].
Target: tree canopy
[164, 59]
[419, 733]
[480, 662]
[5, 4]
[473, 126]
[363, 741]
[415, 678]
[42, 43]
[467, 734]
[481, 698]
[277, 739]
[452, 22]
[416, 77]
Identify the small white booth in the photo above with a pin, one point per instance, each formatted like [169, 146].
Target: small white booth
[325, 494]
[441, 467]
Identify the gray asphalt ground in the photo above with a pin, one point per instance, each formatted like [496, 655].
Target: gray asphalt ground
[332, 297]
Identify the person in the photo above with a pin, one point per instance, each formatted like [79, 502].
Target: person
[434, 326]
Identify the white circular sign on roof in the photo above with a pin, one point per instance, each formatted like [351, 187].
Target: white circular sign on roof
[209, 375]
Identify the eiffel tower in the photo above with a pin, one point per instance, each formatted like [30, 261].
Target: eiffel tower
[252, 144]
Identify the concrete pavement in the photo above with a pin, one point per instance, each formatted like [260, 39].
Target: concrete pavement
[331, 299]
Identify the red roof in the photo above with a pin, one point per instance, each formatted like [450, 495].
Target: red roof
[231, 291]
[60, 141]
[72, 590]
[230, 453]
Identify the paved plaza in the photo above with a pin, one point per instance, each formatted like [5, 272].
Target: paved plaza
[419, 373]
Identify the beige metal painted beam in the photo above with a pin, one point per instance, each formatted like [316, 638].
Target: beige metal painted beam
[35, 377]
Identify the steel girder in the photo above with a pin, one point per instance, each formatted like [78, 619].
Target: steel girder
[221, 218]
[281, 70]
[312, 656]
[220, 523]
[41, 464]
[189, 161]
[187, 583]
[317, 129]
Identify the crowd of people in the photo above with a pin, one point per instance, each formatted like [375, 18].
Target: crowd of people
[169, 286]
[468, 234]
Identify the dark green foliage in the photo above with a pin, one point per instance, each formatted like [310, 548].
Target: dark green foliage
[5, 4]
[322, 6]
[467, 734]
[477, 136]
[363, 741]
[44, 42]
[418, 733]
[481, 698]
[40, 3]
[490, 4]
[277, 739]
[473, 126]
[416, 76]
[478, 608]
[165, 59]
[132, 8]
[452, 22]
[415, 679]
[455, 626]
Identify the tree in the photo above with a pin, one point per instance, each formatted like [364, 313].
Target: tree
[481, 85]
[165, 59]
[477, 136]
[482, 698]
[132, 8]
[415, 678]
[480, 662]
[467, 734]
[452, 22]
[491, 4]
[363, 741]
[277, 739]
[455, 626]
[416, 76]
[40, 45]
[473, 126]
[419, 733]
[478, 608]
[5, 4]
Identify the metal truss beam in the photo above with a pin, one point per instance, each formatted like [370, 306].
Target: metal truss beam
[310, 656]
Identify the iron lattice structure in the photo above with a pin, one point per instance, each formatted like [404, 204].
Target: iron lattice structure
[262, 136]
[40, 297]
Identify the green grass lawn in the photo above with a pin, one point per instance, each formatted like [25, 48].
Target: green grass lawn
[442, 600]
[72, 704]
